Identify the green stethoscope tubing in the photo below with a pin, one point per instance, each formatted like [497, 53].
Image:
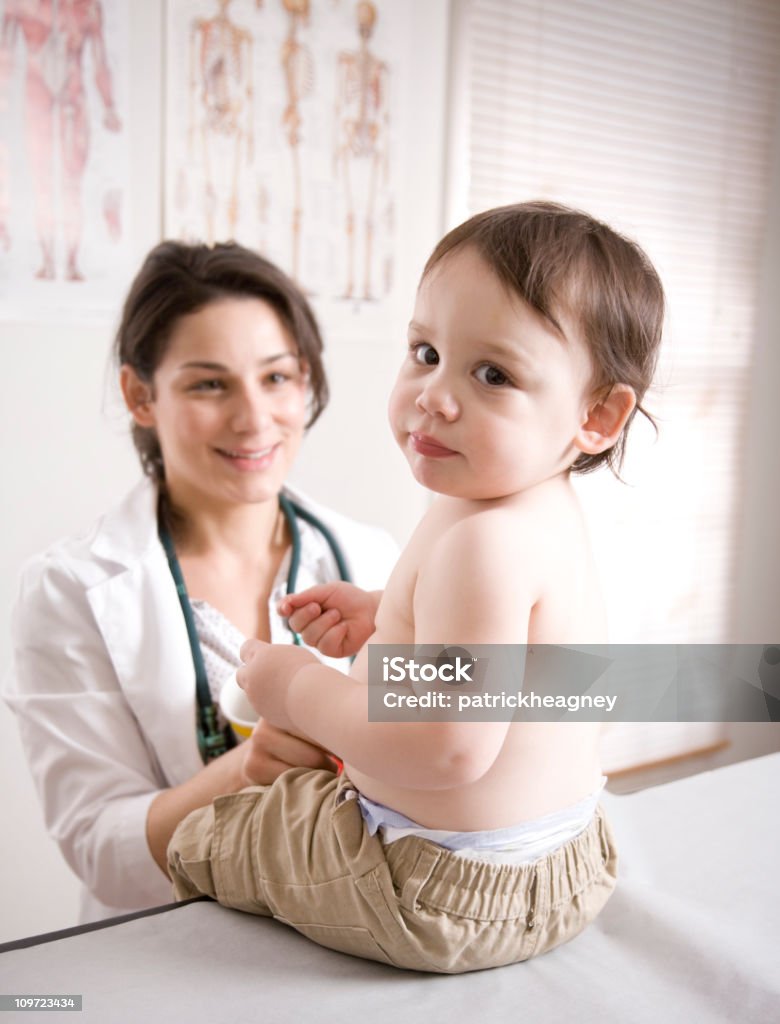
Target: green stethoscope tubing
[213, 741]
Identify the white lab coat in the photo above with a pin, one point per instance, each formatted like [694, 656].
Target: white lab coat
[103, 686]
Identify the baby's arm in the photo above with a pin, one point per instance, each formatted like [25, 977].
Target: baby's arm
[336, 618]
[469, 591]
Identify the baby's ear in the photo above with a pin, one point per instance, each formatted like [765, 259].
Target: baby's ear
[604, 420]
[138, 396]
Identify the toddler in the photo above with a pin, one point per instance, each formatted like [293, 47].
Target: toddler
[451, 846]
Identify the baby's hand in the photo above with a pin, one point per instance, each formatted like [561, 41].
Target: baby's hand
[336, 618]
[265, 676]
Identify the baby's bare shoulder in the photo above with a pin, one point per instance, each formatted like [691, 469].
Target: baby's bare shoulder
[530, 534]
[475, 581]
[481, 539]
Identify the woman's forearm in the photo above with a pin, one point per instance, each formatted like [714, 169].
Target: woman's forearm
[171, 806]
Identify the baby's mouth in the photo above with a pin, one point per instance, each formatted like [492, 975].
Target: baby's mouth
[425, 445]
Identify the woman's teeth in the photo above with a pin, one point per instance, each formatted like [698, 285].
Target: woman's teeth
[247, 455]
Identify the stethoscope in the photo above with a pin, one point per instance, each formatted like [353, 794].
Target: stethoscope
[213, 741]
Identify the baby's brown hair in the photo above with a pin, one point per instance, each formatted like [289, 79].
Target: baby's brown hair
[562, 260]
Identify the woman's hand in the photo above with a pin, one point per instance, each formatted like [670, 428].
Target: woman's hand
[336, 618]
[266, 675]
[269, 751]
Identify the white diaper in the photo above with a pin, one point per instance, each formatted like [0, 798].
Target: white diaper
[516, 844]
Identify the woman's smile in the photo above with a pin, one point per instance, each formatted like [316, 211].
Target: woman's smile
[249, 460]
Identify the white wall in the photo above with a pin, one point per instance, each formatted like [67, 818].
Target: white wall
[66, 455]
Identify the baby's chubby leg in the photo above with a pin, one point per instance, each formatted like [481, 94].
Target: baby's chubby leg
[211, 854]
[296, 850]
[280, 851]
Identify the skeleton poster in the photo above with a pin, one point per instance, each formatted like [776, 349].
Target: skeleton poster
[281, 129]
[63, 156]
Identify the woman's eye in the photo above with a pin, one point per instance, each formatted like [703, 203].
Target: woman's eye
[492, 376]
[425, 354]
[277, 378]
[208, 385]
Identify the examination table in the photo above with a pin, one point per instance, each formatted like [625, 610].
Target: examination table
[692, 934]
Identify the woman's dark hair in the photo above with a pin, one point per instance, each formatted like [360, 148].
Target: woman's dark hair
[562, 260]
[177, 279]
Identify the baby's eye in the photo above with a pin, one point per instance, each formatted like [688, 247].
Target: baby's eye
[425, 354]
[492, 376]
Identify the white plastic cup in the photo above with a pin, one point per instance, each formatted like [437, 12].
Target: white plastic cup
[237, 709]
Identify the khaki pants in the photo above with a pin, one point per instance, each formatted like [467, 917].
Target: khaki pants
[299, 851]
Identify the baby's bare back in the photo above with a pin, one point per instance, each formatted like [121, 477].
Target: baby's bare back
[514, 571]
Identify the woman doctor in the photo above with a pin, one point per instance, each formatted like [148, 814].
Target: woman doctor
[220, 367]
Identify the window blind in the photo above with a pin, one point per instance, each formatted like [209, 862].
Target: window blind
[658, 117]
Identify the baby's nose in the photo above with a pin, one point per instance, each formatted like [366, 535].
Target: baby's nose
[438, 399]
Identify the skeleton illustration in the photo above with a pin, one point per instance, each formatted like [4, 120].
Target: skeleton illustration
[362, 119]
[221, 108]
[298, 67]
[55, 34]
